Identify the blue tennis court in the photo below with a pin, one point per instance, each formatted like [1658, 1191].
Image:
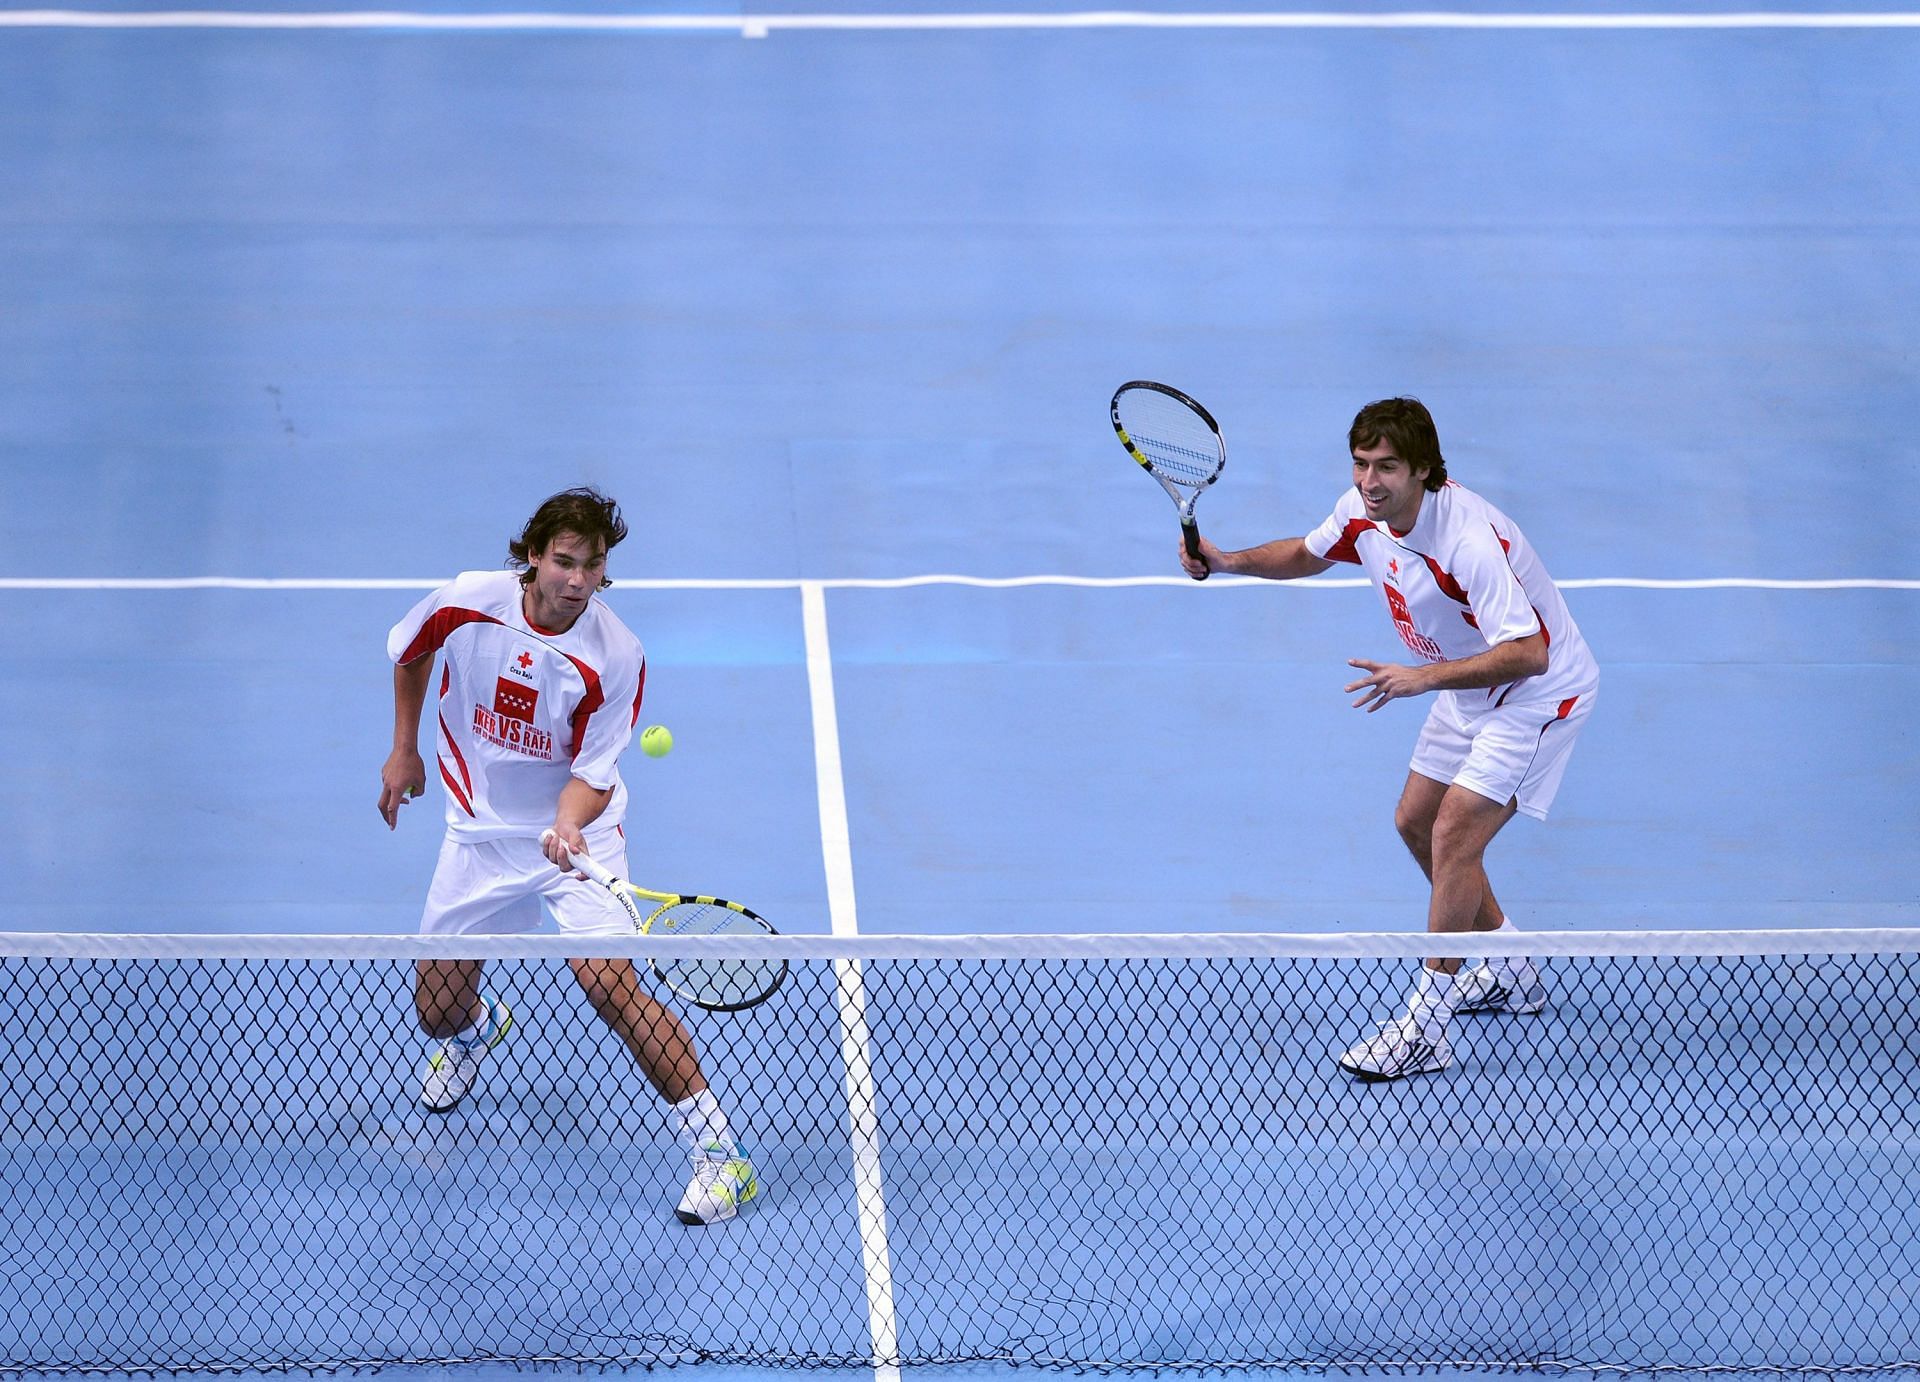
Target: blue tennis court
[302, 320]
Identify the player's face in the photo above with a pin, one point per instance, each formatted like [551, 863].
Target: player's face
[564, 576]
[1389, 487]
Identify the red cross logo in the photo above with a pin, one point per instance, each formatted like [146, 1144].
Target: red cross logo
[525, 660]
[1393, 565]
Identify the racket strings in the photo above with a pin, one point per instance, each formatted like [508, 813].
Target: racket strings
[699, 919]
[718, 984]
[1176, 442]
[1179, 464]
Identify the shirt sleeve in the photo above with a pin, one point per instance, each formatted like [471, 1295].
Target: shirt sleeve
[603, 724]
[1501, 610]
[416, 635]
[1333, 540]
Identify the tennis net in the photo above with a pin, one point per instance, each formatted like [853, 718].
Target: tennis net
[1097, 1152]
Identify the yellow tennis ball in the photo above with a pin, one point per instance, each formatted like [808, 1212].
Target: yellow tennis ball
[656, 741]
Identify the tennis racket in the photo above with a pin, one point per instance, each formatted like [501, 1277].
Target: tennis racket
[721, 986]
[1176, 441]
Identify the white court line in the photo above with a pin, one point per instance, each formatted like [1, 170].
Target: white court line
[760, 25]
[908, 582]
[863, 1113]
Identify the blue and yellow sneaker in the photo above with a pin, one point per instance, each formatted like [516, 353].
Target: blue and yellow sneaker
[452, 1069]
[722, 1182]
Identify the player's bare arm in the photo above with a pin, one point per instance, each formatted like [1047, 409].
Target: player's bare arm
[404, 775]
[579, 806]
[1498, 665]
[1283, 559]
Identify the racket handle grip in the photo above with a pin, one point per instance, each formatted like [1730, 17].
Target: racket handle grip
[586, 863]
[1191, 532]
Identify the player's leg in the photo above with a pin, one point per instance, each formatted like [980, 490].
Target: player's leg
[446, 996]
[1510, 984]
[1414, 816]
[1491, 756]
[1450, 845]
[473, 893]
[656, 1038]
[723, 1177]
[1518, 757]
[1415, 1042]
[1464, 824]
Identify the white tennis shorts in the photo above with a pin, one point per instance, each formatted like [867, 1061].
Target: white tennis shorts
[1517, 753]
[495, 888]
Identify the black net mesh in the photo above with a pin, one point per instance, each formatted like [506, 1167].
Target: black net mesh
[1683, 1163]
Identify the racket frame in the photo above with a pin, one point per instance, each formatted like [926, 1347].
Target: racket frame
[1177, 490]
[626, 894]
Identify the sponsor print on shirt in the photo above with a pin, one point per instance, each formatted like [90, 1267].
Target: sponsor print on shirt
[509, 724]
[1403, 621]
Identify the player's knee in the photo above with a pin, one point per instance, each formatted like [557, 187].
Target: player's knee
[1457, 842]
[594, 985]
[1465, 825]
[1416, 829]
[603, 983]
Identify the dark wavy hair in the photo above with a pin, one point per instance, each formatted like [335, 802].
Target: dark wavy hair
[584, 511]
[1406, 424]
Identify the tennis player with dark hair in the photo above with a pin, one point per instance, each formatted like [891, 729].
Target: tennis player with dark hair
[1514, 683]
[540, 686]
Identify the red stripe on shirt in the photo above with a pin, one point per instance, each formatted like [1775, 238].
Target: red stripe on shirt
[1566, 709]
[435, 631]
[1449, 587]
[454, 787]
[595, 698]
[1547, 637]
[638, 691]
[1344, 549]
[446, 736]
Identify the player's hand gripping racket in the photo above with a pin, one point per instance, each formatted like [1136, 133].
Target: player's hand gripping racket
[1178, 443]
[721, 986]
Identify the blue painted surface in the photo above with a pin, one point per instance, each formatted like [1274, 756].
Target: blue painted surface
[840, 306]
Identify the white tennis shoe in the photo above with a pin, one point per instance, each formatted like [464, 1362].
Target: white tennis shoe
[1502, 986]
[1397, 1050]
[452, 1069]
[722, 1181]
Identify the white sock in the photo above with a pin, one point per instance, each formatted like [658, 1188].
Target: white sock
[481, 1032]
[1510, 965]
[1433, 1000]
[701, 1120]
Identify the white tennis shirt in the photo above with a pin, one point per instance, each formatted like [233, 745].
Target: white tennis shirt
[520, 709]
[1464, 579]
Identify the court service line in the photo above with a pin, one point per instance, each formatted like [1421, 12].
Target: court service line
[908, 582]
[856, 1050]
[761, 25]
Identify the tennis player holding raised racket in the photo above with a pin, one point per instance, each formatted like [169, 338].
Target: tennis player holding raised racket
[1492, 637]
[539, 690]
